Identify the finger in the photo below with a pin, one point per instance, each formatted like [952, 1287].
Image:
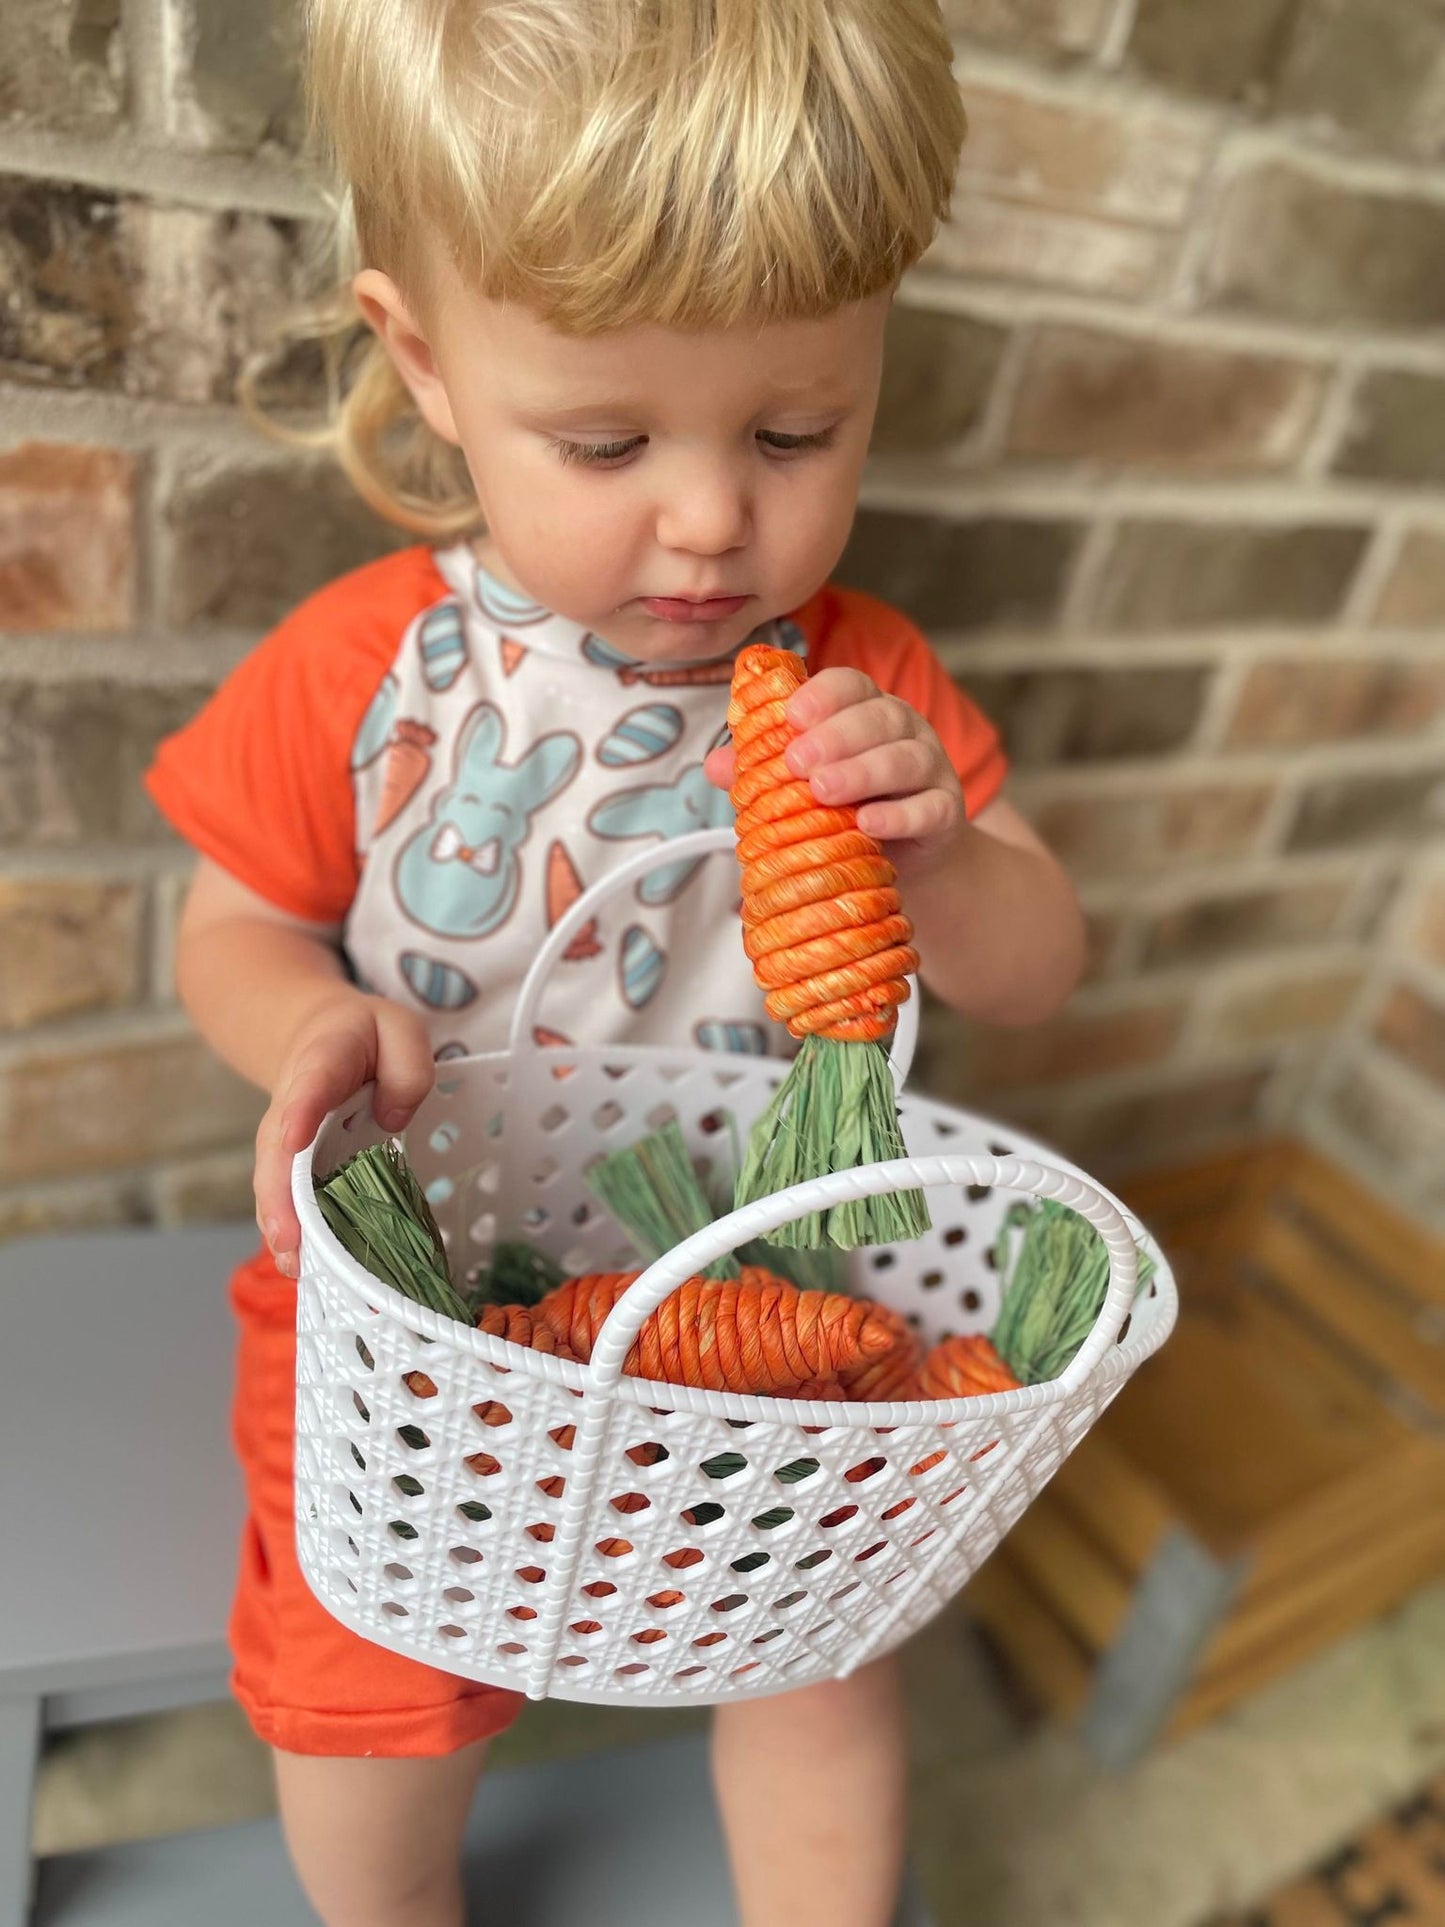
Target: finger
[720, 766]
[325, 1075]
[405, 1067]
[880, 719]
[893, 769]
[826, 693]
[927, 817]
[275, 1213]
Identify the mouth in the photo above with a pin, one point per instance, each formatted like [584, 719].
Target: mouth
[693, 609]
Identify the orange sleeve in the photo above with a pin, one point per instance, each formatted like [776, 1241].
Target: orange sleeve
[260, 780]
[846, 628]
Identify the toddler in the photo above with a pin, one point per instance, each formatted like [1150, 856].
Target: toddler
[626, 267]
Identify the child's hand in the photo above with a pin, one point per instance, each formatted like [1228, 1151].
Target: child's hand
[857, 745]
[351, 1039]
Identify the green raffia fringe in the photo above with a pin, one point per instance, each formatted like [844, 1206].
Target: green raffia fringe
[1058, 1277]
[377, 1209]
[518, 1274]
[833, 1111]
[654, 1194]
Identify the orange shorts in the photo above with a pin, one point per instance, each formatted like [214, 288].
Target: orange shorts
[307, 1683]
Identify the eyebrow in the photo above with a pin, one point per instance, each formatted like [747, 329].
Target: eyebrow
[614, 409]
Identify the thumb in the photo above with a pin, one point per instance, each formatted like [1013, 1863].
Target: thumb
[720, 766]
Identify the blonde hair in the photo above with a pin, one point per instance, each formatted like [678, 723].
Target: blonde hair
[608, 163]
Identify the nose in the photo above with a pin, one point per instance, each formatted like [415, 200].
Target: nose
[706, 511]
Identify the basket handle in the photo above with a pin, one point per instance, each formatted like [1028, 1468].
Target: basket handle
[755, 1220]
[698, 843]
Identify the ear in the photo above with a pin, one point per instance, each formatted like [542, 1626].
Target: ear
[385, 310]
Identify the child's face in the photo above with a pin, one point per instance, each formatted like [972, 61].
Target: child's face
[627, 478]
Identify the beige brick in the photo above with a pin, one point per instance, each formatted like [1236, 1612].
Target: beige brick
[1412, 1025]
[1429, 933]
[67, 540]
[1011, 241]
[111, 292]
[1294, 702]
[1140, 164]
[1312, 1000]
[947, 575]
[213, 1190]
[1242, 921]
[119, 1104]
[1123, 834]
[243, 70]
[238, 563]
[1381, 1111]
[1313, 249]
[62, 63]
[1345, 811]
[1395, 430]
[1376, 71]
[1070, 26]
[1074, 1045]
[938, 371]
[1091, 715]
[1155, 1127]
[1163, 574]
[1104, 935]
[67, 945]
[81, 1206]
[1414, 595]
[1088, 396]
[1225, 51]
[72, 756]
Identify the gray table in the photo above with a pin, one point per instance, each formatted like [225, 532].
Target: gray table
[119, 1513]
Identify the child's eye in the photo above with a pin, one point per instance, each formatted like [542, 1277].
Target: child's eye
[790, 444]
[597, 454]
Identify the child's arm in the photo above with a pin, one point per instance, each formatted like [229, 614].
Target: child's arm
[998, 929]
[269, 993]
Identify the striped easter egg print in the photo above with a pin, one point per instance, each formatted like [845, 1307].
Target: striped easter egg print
[645, 732]
[443, 645]
[642, 966]
[603, 656]
[508, 608]
[441, 986]
[376, 725]
[715, 1034]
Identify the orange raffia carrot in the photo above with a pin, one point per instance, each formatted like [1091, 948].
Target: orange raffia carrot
[749, 1334]
[964, 1368]
[893, 1374]
[521, 1325]
[823, 925]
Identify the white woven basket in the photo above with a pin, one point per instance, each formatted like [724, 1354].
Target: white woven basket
[524, 1524]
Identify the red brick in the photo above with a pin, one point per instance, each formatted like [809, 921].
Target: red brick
[1294, 702]
[67, 538]
[1247, 920]
[1430, 927]
[1089, 396]
[1011, 241]
[1164, 574]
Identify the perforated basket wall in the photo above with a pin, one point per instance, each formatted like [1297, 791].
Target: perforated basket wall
[512, 1519]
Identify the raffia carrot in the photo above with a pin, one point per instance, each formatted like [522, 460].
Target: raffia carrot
[894, 1373]
[831, 948]
[521, 1325]
[964, 1368]
[749, 1334]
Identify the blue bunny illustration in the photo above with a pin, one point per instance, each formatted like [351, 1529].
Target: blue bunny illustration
[666, 810]
[459, 875]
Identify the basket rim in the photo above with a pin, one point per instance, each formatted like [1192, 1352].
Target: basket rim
[375, 1295]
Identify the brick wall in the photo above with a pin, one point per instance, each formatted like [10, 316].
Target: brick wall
[1161, 467]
